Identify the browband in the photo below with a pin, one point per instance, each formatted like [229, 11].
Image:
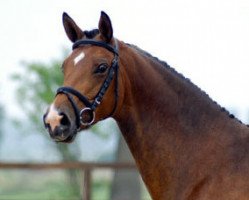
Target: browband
[82, 42]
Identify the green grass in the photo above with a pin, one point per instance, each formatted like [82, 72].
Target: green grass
[35, 185]
[56, 191]
[51, 185]
[101, 190]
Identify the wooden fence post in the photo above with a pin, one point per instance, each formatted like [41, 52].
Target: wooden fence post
[87, 184]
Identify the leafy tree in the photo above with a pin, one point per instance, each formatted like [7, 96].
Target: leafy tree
[35, 91]
[37, 86]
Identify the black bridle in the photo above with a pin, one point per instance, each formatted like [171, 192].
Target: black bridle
[89, 110]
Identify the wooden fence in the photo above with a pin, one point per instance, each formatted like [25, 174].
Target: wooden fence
[86, 167]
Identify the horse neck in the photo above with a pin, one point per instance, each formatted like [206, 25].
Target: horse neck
[163, 117]
[158, 98]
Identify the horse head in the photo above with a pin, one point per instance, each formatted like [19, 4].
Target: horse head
[89, 91]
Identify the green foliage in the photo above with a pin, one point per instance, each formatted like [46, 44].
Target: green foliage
[36, 87]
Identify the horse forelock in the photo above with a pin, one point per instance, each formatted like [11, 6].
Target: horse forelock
[91, 34]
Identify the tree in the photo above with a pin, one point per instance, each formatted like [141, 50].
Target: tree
[36, 88]
[37, 85]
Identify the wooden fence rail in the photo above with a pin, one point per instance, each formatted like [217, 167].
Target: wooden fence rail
[86, 167]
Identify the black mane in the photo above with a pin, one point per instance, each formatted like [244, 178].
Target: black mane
[91, 34]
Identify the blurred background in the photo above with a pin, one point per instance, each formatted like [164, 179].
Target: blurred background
[206, 40]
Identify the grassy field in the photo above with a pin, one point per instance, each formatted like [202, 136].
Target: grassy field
[51, 185]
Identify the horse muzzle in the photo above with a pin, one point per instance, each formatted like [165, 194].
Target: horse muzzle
[59, 125]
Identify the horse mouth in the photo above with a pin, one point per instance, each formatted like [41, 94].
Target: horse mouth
[67, 139]
[62, 135]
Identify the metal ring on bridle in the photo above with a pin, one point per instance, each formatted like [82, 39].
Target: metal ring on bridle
[87, 111]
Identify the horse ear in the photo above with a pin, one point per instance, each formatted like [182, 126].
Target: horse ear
[105, 27]
[73, 32]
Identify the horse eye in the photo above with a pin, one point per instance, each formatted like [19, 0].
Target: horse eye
[101, 69]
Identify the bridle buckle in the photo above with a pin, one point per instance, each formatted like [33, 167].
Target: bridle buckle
[97, 101]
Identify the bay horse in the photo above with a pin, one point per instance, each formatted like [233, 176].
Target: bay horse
[185, 145]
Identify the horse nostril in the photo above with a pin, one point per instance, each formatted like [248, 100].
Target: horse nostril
[65, 120]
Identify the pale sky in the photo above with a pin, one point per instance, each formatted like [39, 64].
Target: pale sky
[206, 40]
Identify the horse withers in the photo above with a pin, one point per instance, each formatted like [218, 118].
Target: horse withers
[185, 145]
